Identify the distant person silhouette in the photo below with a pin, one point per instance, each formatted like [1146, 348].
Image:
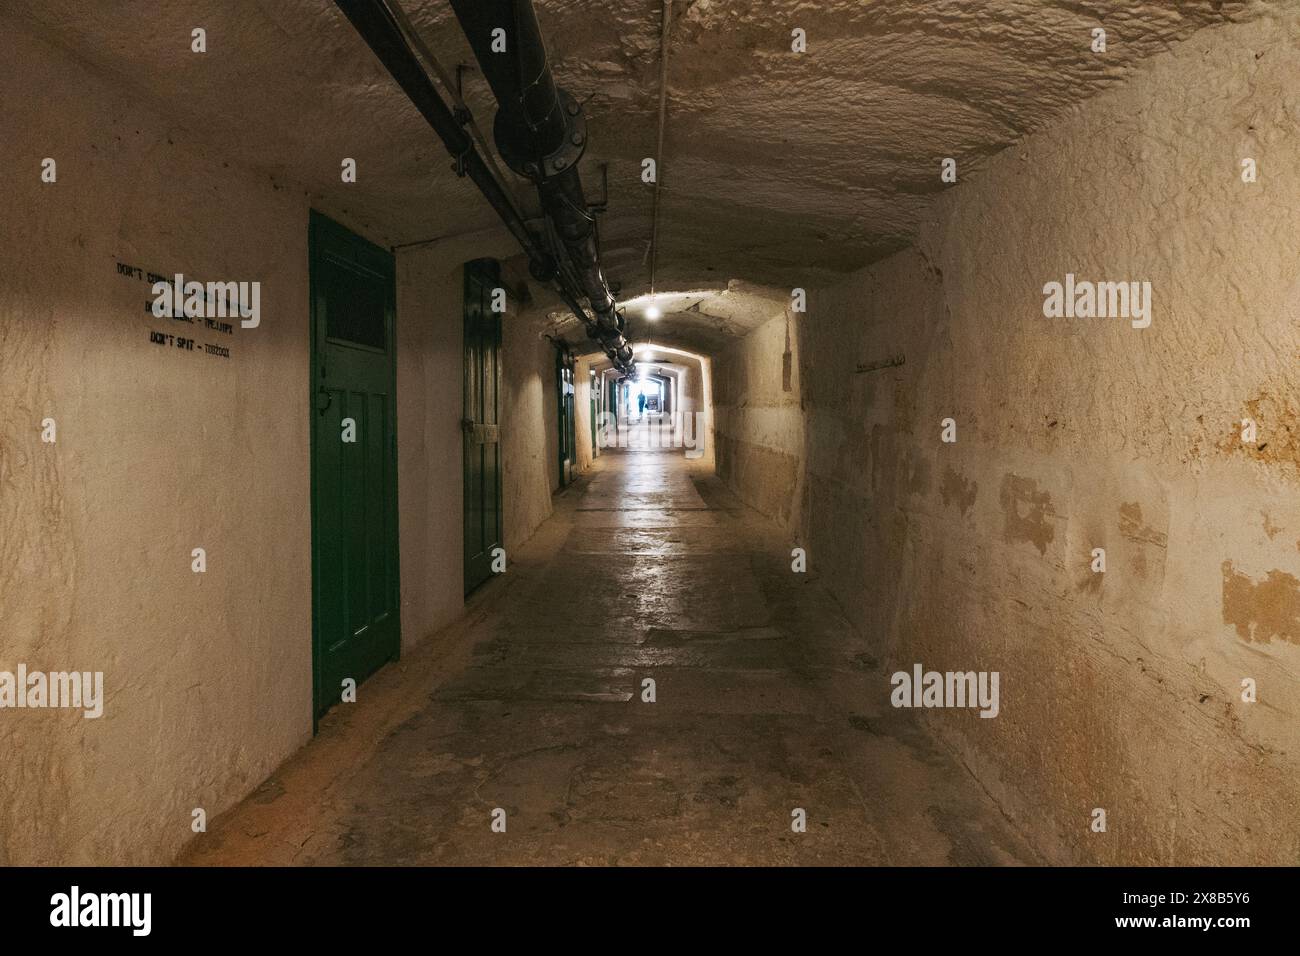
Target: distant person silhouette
[640, 404]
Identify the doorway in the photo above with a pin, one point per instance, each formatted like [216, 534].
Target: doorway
[566, 415]
[356, 621]
[480, 422]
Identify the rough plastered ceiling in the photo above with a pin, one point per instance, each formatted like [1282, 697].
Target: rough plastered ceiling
[780, 168]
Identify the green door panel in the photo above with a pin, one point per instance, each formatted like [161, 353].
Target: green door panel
[356, 625]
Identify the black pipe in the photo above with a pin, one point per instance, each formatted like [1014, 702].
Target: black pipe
[531, 121]
[383, 35]
[541, 133]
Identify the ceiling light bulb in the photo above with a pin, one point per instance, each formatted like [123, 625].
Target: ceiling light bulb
[652, 313]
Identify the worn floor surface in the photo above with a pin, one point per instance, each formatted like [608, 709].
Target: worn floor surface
[765, 702]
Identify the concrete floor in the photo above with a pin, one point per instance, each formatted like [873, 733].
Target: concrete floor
[766, 701]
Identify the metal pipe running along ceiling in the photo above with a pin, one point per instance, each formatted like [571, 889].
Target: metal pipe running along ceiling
[539, 131]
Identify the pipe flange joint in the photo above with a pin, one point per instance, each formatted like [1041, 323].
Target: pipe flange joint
[515, 147]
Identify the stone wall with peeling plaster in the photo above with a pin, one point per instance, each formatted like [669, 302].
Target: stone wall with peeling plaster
[1120, 690]
[759, 416]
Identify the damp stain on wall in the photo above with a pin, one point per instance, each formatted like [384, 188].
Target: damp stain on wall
[1276, 417]
[1132, 527]
[1262, 610]
[1028, 512]
[958, 489]
[918, 478]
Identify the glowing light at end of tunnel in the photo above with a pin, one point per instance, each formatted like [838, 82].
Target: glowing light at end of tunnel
[652, 313]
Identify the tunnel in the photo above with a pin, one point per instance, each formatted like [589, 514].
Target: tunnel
[653, 433]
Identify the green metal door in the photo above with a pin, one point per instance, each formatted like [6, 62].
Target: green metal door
[355, 602]
[480, 421]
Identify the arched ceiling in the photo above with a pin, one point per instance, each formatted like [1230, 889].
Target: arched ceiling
[781, 169]
[703, 321]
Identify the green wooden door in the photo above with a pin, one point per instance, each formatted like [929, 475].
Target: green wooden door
[480, 422]
[355, 602]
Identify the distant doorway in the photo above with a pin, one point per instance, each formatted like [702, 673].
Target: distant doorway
[566, 414]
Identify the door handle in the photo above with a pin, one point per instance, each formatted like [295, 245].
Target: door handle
[329, 400]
